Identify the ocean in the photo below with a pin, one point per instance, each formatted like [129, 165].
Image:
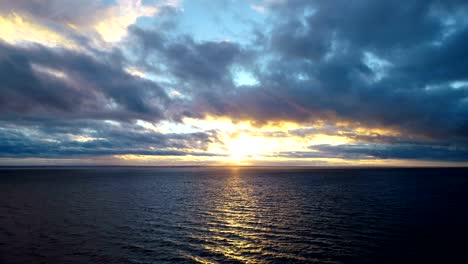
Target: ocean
[233, 215]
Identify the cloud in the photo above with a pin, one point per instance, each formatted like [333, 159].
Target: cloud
[125, 13]
[38, 81]
[314, 65]
[16, 29]
[99, 20]
[62, 11]
[203, 63]
[397, 66]
[396, 151]
[54, 139]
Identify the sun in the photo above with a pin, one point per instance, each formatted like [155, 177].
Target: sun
[243, 148]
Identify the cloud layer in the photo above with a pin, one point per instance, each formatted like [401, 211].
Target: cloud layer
[341, 67]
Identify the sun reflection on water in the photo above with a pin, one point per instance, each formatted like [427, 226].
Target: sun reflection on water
[236, 211]
[245, 221]
[232, 227]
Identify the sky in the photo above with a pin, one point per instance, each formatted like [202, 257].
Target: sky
[234, 82]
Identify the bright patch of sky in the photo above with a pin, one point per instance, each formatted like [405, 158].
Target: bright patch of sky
[378, 65]
[459, 84]
[230, 20]
[242, 77]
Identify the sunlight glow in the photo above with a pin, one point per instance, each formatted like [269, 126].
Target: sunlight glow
[81, 138]
[245, 143]
[17, 29]
[114, 27]
[135, 72]
[49, 71]
[245, 147]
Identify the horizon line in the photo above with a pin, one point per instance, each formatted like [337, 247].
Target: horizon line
[238, 166]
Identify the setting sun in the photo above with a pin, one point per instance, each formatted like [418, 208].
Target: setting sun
[244, 147]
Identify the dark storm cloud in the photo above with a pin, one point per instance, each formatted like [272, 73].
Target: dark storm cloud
[199, 63]
[362, 23]
[386, 148]
[40, 81]
[201, 70]
[324, 64]
[391, 64]
[52, 138]
[397, 151]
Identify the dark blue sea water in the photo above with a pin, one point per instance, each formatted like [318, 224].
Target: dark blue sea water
[229, 215]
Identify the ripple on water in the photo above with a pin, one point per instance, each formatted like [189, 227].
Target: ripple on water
[221, 216]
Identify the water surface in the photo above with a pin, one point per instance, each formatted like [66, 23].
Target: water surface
[233, 215]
